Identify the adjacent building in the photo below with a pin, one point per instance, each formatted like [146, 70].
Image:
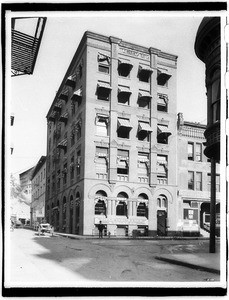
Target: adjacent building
[194, 179]
[112, 141]
[38, 180]
[25, 182]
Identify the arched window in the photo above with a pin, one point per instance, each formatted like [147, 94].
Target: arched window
[142, 209]
[162, 202]
[100, 206]
[121, 209]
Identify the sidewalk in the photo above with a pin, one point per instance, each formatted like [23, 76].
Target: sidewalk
[209, 262]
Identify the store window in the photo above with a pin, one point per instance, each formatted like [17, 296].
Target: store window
[121, 208]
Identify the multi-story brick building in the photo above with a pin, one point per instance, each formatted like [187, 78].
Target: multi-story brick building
[112, 141]
[25, 182]
[194, 179]
[38, 180]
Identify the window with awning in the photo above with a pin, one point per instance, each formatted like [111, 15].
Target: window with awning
[124, 94]
[52, 116]
[144, 73]
[102, 125]
[162, 167]
[124, 67]
[71, 80]
[77, 96]
[162, 102]
[103, 90]
[64, 118]
[162, 77]
[63, 144]
[123, 128]
[162, 134]
[122, 161]
[64, 94]
[144, 131]
[144, 98]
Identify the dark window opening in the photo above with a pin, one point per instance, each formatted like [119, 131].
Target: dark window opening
[121, 209]
[124, 98]
[124, 132]
[100, 208]
[144, 103]
[104, 94]
[142, 210]
[143, 136]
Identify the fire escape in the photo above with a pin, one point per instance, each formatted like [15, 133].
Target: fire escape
[25, 47]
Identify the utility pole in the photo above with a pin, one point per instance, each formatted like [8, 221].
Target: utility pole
[212, 206]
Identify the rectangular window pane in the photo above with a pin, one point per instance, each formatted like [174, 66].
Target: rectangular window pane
[191, 180]
[198, 181]
[198, 152]
[190, 151]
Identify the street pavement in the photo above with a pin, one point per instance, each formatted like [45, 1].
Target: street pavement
[202, 261]
[69, 260]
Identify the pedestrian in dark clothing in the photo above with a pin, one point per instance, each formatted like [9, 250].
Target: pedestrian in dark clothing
[100, 227]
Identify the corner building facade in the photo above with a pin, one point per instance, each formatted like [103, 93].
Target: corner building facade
[111, 148]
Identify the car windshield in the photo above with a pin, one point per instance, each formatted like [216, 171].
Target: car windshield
[45, 225]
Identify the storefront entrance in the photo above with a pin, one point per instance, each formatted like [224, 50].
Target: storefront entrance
[161, 223]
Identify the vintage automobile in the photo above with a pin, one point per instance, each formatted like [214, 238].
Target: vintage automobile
[43, 228]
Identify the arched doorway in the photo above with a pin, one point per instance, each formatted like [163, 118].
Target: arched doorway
[162, 204]
[64, 215]
[71, 215]
[121, 210]
[77, 215]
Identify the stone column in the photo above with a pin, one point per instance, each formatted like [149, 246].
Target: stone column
[130, 210]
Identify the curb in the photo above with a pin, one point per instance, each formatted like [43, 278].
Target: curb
[188, 265]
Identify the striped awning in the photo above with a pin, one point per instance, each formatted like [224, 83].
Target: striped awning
[163, 130]
[125, 63]
[63, 144]
[162, 76]
[142, 126]
[124, 89]
[162, 99]
[77, 95]
[124, 123]
[103, 85]
[71, 80]
[144, 94]
[64, 117]
[145, 68]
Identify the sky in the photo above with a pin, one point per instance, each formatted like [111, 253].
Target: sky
[32, 95]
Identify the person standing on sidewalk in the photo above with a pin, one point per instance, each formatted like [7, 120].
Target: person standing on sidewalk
[100, 227]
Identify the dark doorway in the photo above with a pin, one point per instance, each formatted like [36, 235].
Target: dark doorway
[161, 223]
